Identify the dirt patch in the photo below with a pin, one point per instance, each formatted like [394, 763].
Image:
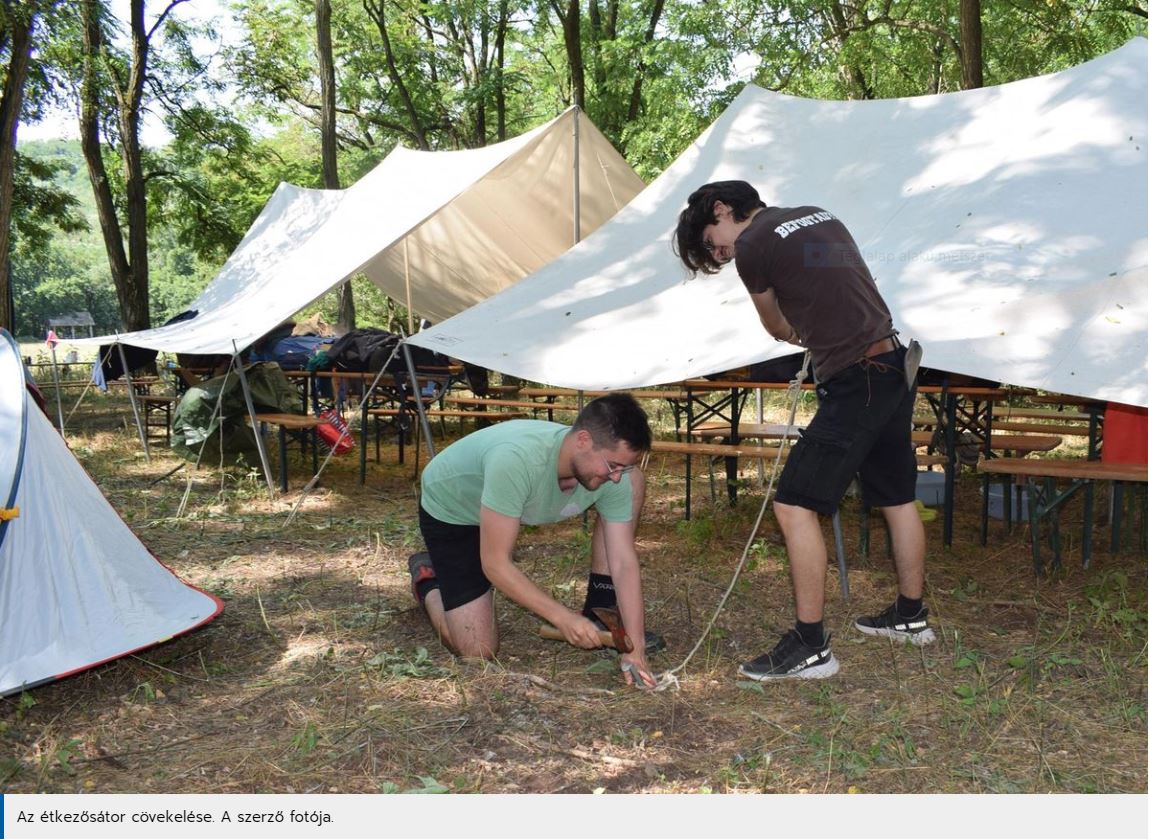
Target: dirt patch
[322, 676]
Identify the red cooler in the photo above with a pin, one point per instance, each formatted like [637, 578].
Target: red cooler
[1126, 435]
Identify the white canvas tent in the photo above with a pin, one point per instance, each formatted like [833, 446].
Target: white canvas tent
[77, 588]
[442, 230]
[1006, 228]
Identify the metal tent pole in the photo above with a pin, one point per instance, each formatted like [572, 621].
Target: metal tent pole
[577, 181]
[418, 395]
[407, 282]
[238, 364]
[56, 382]
[132, 399]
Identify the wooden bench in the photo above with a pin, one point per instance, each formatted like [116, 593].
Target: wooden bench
[300, 427]
[1045, 502]
[520, 404]
[157, 410]
[431, 413]
[1023, 444]
[1062, 429]
[556, 392]
[744, 450]
[444, 413]
[1008, 412]
[1063, 399]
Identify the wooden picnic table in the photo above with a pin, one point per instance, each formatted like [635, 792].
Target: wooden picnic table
[525, 404]
[1046, 502]
[300, 427]
[557, 392]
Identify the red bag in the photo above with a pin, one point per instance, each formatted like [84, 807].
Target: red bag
[333, 432]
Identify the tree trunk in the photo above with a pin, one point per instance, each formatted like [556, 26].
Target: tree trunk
[841, 26]
[134, 292]
[90, 143]
[640, 72]
[328, 138]
[500, 66]
[376, 9]
[572, 37]
[971, 62]
[20, 51]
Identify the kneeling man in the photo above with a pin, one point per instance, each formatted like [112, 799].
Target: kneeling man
[479, 490]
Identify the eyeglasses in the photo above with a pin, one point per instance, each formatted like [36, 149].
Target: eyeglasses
[616, 469]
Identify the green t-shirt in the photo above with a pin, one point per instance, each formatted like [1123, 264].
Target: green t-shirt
[512, 468]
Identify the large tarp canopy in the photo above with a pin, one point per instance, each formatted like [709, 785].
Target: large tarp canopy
[441, 229]
[1005, 226]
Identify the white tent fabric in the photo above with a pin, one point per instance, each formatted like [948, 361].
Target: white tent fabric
[77, 588]
[451, 228]
[1006, 228]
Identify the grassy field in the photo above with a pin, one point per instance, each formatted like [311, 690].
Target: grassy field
[322, 676]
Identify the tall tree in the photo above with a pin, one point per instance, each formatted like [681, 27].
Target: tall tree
[329, 143]
[91, 112]
[971, 61]
[105, 72]
[17, 23]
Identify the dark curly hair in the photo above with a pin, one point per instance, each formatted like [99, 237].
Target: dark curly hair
[742, 199]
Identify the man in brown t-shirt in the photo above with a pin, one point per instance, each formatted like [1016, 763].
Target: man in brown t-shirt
[812, 288]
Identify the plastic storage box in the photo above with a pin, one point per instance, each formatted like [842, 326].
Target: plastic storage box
[931, 488]
[1020, 503]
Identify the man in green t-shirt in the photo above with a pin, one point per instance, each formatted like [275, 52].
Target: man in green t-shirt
[477, 492]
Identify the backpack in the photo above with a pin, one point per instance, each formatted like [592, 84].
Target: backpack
[365, 350]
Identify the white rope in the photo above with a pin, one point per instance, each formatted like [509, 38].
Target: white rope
[668, 679]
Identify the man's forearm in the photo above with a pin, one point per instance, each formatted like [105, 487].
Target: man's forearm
[627, 579]
[782, 331]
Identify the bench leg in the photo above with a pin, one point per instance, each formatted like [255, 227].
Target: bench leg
[984, 510]
[1087, 532]
[313, 433]
[687, 488]
[1054, 527]
[1118, 505]
[363, 418]
[1035, 501]
[282, 459]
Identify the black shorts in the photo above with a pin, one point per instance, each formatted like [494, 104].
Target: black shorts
[455, 556]
[862, 427]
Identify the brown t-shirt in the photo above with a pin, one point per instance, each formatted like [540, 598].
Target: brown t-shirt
[821, 282]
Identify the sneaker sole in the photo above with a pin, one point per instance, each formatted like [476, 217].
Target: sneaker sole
[918, 639]
[821, 671]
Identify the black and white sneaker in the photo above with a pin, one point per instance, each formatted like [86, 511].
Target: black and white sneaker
[889, 624]
[791, 658]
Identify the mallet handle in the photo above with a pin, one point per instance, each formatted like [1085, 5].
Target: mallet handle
[552, 634]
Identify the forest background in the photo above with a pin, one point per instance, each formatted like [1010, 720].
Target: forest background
[244, 94]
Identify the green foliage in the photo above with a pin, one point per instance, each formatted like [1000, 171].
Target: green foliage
[399, 665]
[697, 531]
[306, 740]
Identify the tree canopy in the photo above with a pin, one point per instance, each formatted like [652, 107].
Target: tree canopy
[244, 104]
